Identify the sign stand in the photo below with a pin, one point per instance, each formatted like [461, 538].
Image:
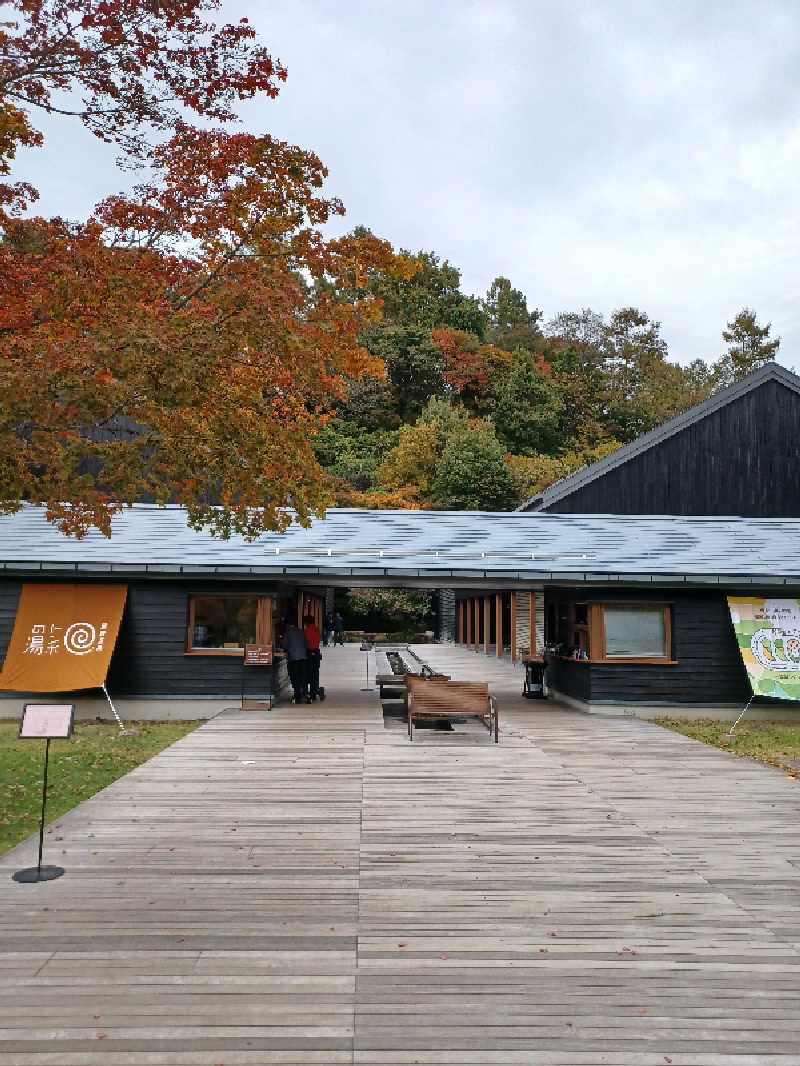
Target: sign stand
[48, 721]
[256, 655]
[367, 647]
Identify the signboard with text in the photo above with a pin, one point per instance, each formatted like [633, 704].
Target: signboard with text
[47, 721]
[258, 655]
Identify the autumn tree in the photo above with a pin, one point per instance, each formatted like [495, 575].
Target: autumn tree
[749, 347]
[171, 347]
[471, 367]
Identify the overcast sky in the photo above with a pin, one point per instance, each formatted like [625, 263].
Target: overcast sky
[599, 154]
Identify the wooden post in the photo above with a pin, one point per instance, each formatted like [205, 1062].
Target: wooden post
[513, 627]
[460, 623]
[498, 624]
[532, 649]
[476, 606]
[468, 612]
[486, 625]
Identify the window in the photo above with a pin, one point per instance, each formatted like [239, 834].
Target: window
[220, 625]
[635, 632]
[613, 632]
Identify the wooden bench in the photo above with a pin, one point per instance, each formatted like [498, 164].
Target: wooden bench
[452, 699]
[413, 681]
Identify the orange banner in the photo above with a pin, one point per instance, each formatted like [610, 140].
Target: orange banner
[63, 639]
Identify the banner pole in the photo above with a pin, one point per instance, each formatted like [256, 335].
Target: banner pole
[741, 716]
[114, 709]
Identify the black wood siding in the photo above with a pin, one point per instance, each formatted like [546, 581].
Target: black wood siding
[709, 667]
[739, 460]
[149, 659]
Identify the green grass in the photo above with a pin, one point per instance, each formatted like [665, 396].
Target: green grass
[776, 743]
[96, 755]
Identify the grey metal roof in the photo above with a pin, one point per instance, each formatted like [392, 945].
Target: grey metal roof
[435, 547]
[587, 474]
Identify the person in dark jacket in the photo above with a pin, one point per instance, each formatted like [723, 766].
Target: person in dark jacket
[327, 627]
[296, 647]
[338, 629]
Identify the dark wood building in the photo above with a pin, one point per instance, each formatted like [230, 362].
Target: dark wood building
[737, 453]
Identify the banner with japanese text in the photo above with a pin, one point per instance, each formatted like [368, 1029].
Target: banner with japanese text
[768, 634]
[64, 637]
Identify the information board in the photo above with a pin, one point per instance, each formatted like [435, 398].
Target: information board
[258, 655]
[50, 721]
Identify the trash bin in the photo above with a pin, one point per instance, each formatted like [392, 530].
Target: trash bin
[534, 680]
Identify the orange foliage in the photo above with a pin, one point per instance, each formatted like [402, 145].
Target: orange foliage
[473, 366]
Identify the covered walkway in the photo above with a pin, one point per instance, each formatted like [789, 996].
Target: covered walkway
[305, 886]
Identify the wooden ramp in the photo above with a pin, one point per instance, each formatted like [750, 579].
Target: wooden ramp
[304, 886]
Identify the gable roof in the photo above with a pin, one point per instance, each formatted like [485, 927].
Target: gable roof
[434, 548]
[586, 474]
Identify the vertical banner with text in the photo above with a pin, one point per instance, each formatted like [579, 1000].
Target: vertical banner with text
[63, 639]
[768, 634]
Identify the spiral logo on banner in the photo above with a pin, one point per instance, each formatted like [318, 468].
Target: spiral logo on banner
[80, 638]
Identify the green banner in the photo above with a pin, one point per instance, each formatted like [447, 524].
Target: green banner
[768, 634]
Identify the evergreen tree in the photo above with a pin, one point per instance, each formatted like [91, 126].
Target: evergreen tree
[749, 347]
[473, 474]
[526, 407]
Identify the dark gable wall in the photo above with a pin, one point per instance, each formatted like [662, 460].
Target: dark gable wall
[709, 667]
[740, 460]
[149, 658]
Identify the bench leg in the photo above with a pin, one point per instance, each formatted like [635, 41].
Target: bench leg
[410, 725]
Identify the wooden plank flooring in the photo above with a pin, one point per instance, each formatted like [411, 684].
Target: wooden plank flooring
[305, 886]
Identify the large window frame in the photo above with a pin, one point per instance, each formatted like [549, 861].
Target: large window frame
[584, 628]
[264, 628]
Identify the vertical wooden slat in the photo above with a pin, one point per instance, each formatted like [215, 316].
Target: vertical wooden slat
[461, 635]
[468, 609]
[533, 650]
[486, 625]
[597, 650]
[513, 627]
[498, 624]
[476, 606]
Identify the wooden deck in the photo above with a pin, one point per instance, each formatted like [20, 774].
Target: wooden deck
[305, 886]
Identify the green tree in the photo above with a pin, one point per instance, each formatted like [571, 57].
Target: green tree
[526, 408]
[511, 324]
[392, 610]
[473, 474]
[429, 298]
[415, 366]
[749, 347]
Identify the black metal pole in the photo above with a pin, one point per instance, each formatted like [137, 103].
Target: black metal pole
[44, 801]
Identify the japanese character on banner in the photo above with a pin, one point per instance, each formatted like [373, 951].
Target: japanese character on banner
[35, 645]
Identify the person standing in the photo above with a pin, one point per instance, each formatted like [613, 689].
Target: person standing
[313, 637]
[296, 647]
[338, 629]
[328, 629]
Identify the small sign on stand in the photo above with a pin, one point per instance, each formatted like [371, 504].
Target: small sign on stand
[44, 721]
[256, 655]
[367, 645]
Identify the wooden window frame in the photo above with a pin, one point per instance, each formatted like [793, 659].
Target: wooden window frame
[263, 623]
[660, 660]
[595, 630]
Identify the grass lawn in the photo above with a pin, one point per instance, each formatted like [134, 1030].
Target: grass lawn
[776, 743]
[96, 755]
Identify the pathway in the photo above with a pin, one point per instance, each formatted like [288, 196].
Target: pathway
[305, 886]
